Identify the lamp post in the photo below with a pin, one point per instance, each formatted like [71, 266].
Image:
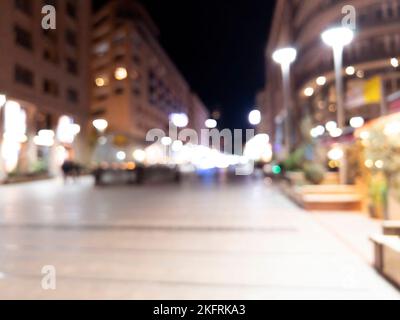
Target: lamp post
[285, 57]
[337, 39]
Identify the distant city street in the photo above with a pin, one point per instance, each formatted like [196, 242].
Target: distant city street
[204, 150]
[209, 238]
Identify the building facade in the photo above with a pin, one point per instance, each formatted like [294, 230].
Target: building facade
[370, 62]
[135, 85]
[44, 75]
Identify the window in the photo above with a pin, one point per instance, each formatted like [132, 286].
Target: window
[71, 9]
[23, 76]
[72, 95]
[50, 35]
[100, 22]
[71, 38]
[102, 97]
[50, 87]
[136, 91]
[50, 2]
[119, 58]
[23, 38]
[119, 91]
[24, 6]
[51, 55]
[72, 66]
[136, 59]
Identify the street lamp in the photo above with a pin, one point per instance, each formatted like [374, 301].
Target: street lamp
[285, 57]
[101, 125]
[255, 117]
[211, 124]
[337, 39]
[179, 120]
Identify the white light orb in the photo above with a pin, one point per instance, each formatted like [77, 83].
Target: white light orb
[255, 117]
[166, 141]
[120, 73]
[121, 155]
[139, 155]
[211, 123]
[379, 164]
[336, 133]
[100, 124]
[308, 92]
[394, 62]
[335, 154]
[331, 125]
[321, 81]
[179, 120]
[357, 122]
[285, 56]
[177, 146]
[350, 70]
[337, 37]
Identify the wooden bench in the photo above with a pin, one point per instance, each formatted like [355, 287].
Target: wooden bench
[330, 197]
[387, 257]
[391, 228]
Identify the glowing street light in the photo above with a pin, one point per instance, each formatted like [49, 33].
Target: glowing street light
[3, 100]
[394, 62]
[179, 120]
[120, 73]
[321, 81]
[350, 70]
[309, 92]
[357, 122]
[166, 141]
[337, 38]
[255, 117]
[100, 125]
[285, 57]
[177, 146]
[211, 123]
[121, 155]
[139, 155]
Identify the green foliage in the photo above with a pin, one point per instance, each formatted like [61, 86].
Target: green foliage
[314, 173]
[383, 144]
[378, 189]
[295, 160]
[39, 167]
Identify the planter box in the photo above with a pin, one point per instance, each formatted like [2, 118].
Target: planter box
[297, 178]
[387, 257]
[325, 197]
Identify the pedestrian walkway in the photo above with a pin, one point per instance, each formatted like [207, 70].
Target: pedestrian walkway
[197, 241]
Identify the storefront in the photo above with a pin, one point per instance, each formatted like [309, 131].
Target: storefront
[380, 162]
[34, 143]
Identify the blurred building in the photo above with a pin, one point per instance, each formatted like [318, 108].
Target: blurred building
[44, 73]
[135, 85]
[198, 114]
[370, 62]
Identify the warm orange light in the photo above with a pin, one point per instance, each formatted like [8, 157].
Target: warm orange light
[131, 166]
[100, 82]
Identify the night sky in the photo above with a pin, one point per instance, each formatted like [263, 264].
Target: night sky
[218, 45]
